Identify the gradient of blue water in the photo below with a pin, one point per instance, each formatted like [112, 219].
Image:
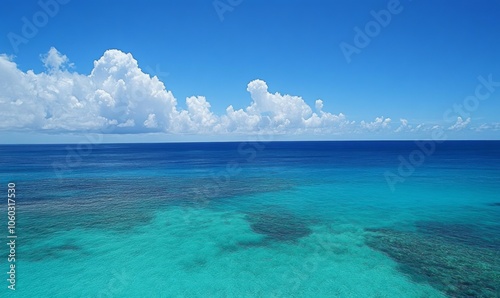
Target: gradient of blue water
[178, 220]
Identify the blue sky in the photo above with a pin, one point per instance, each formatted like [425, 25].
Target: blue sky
[425, 60]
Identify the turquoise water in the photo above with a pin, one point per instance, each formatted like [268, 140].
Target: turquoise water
[308, 219]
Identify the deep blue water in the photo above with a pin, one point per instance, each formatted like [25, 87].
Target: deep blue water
[256, 219]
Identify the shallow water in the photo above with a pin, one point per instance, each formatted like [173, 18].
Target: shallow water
[308, 219]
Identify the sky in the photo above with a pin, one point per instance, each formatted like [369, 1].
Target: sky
[145, 71]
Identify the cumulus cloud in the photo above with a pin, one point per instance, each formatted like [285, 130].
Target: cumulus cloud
[118, 97]
[403, 126]
[54, 60]
[277, 113]
[319, 105]
[460, 124]
[378, 124]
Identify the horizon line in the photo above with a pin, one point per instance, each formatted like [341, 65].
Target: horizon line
[257, 141]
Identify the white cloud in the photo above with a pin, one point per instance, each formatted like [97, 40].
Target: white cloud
[378, 124]
[151, 121]
[460, 124]
[128, 123]
[200, 116]
[319, 105]
[404, 125]
[54, 60]
[489, 126]
[283, 111]
[118, 97]
[277, 113]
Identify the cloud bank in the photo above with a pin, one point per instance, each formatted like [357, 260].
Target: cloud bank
[118, 97]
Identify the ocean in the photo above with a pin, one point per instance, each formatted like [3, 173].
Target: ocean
[253, 219]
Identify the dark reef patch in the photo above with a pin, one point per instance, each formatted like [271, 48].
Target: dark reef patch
[473, 235]
[457, 268]
[53, 252]
[278, 225]
[496, 204]
[194, 264]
